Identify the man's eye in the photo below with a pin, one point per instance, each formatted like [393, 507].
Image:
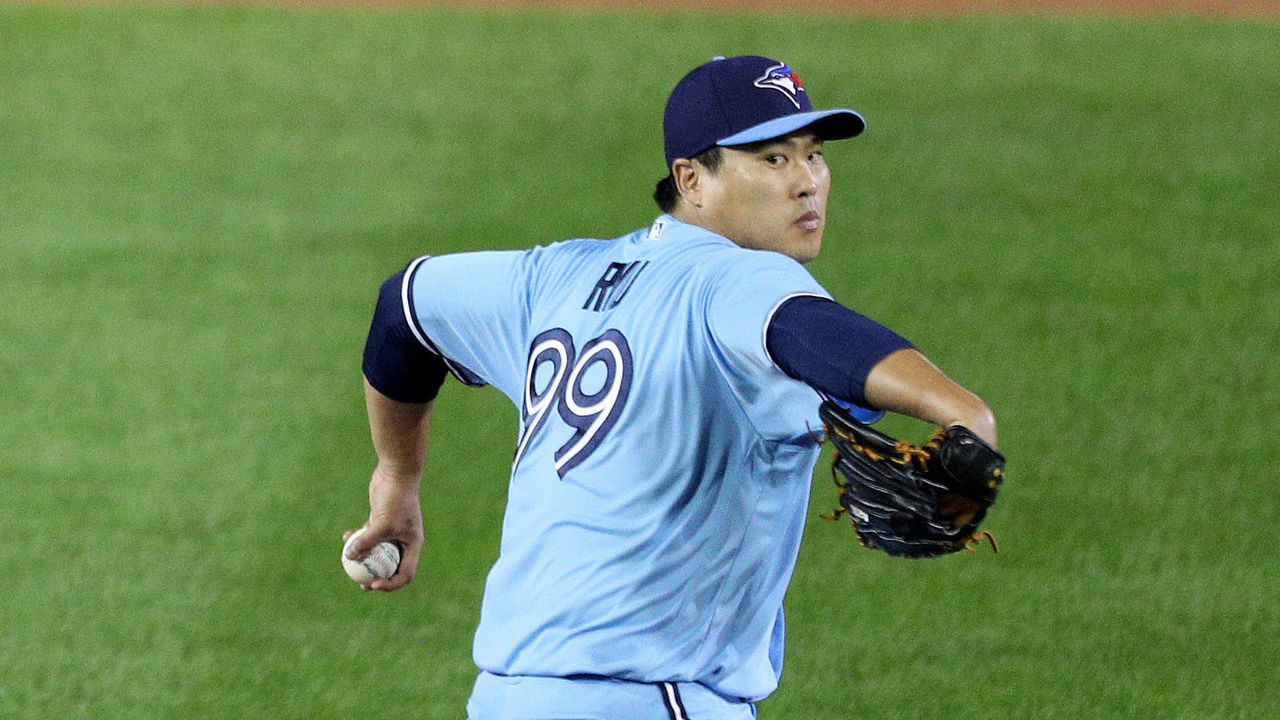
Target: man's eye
[775, 159]
[817, 156]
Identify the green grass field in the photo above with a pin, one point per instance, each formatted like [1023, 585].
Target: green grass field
[1077, 218]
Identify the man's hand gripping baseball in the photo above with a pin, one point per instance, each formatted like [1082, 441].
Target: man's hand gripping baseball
[399, 432]
[395, 515]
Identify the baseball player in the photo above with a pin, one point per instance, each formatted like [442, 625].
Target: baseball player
[667, 383]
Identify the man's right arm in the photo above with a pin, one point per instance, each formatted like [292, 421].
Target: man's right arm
[906, 382]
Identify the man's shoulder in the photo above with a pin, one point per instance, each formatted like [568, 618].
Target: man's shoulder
[684, 249]
[574, 247]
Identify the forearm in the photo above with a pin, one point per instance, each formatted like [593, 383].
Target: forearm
[399, 431]
[401, 366]
[906, 382]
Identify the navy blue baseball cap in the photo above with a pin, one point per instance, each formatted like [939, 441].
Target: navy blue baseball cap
[745, 99]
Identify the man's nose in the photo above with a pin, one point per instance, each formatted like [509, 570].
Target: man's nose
[806, 181]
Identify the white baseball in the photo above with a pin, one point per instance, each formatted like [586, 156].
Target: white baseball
[381, 562]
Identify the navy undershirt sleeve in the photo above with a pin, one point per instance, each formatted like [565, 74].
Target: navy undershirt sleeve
[828, 346]
[395, 362]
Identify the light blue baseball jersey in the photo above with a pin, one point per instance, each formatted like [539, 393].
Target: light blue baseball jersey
[661, 477]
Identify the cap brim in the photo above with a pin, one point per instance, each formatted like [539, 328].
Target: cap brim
[835, 124]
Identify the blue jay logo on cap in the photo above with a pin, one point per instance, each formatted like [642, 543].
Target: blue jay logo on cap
[782, 78]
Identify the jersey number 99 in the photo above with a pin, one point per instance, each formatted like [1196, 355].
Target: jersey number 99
[587, 389]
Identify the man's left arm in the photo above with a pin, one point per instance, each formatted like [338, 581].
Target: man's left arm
[399, 431]
[401, 380]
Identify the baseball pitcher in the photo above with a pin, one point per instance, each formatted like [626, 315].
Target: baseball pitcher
[668, 385]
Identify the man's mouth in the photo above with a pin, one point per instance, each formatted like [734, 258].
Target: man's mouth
[809, 221]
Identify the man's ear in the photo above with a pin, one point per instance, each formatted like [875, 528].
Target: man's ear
[688, 178]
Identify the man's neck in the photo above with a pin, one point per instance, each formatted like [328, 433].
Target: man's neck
[688, 214]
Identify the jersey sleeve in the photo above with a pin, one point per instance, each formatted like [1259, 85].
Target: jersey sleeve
[396, 363]
[739, 310]
[828, 346]
[469, 309]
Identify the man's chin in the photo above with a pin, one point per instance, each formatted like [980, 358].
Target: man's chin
[805, 247]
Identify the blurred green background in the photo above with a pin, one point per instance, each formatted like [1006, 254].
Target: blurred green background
[1075, 217]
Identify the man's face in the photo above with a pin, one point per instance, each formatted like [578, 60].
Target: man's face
[770, 196]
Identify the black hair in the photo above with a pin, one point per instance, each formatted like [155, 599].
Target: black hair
[665, 192]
